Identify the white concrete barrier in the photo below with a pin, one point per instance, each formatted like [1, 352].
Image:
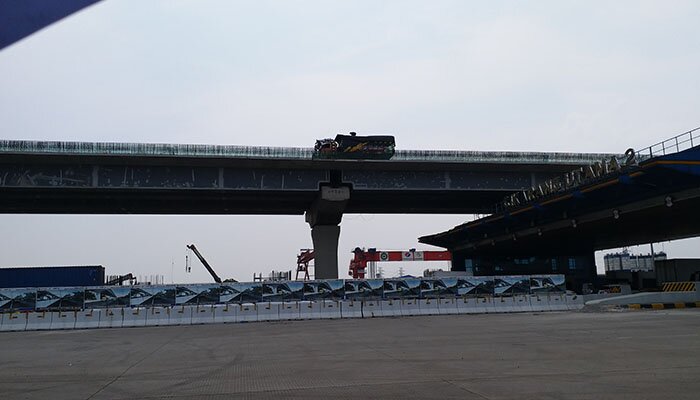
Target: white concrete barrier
[38, 320]
[447, 306]
[269, 311]
[410, 307]
[330, 309]
[539, 303]
[289, 311]
[428, 306]
[371, 308]
[574, 302]
[111, 318]
[87, 319]
[14, 321]
[180, 315]
[351, 309]
[226, 313]
[466, 305]
[203, 314]
[157, 316]
[557, 302]
[310, 309]
[247, 312]
[390, 308]
[63, 320]
[134, 317]
[521, 303]
[481, 305]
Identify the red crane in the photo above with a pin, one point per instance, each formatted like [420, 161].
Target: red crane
[359, 262]
[303, 259]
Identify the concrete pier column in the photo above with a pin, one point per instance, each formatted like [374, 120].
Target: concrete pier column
[324, 216]
[325, 239]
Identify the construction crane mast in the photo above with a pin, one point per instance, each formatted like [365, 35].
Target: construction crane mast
[205, 263]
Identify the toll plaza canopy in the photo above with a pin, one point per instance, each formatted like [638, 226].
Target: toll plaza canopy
[654, 197]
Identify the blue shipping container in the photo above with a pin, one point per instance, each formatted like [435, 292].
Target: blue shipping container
[89, 275]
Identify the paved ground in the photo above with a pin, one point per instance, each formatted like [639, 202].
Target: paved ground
[577, 355]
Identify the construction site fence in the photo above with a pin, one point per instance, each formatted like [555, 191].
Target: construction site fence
[146, 296]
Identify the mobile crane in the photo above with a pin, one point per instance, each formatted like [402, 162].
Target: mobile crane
[206, 265]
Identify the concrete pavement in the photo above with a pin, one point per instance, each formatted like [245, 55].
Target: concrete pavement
[568, 355]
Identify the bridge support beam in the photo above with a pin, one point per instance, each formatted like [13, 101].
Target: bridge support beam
[324, 217]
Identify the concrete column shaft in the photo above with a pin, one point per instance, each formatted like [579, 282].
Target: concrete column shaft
[325, 239]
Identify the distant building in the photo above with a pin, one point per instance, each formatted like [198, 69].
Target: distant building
[624, 261]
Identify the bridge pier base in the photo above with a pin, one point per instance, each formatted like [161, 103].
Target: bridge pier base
[325, 239]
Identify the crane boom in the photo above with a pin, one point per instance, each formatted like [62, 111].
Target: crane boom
[205, 263]
[358, 263]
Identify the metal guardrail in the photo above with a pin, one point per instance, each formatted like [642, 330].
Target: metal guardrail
[676, 144]
[289, 153]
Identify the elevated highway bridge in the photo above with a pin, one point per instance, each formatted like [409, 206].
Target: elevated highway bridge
[140, 178]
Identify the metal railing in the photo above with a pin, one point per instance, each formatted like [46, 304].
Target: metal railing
[676, 144]
[289, 153]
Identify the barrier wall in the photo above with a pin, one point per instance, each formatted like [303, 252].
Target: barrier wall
[147, 296]
[16, 321]
[63, 320]
[330, 309]
[351, 309]
[111, 318]
[38, 320]
[371, 308]
[88, 319]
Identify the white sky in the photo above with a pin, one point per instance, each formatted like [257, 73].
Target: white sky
[580, 76]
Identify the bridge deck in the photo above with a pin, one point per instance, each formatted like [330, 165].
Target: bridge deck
[282, 153]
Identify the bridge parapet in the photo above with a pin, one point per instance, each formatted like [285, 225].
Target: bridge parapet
[288, 153]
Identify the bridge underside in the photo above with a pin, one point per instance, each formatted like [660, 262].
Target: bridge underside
[657, 201]
[179, 201]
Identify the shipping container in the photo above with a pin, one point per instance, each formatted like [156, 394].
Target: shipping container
[88, 275]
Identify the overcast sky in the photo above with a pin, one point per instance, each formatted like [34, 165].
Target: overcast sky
[578, 76]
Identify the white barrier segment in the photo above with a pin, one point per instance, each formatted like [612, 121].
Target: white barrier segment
[226, 313]
[481, 305]
[504, 304]
[490, 304]
[111, 318]
[466, 305]
[247, 312]
[203, 314]
[527, 306]
[63, 320]
[310, 309]
[409, 307]
[428, 306]
[330, 309]
[289, 310]
[157, 316]
[15, 321]
[87, 319]
[371, 308]
[390, 308]
[539, 303]
[448, 306]
[522, 303]
[38, 320]
[557, 302]
[269, 311]
[574, 302]
[350, 309]
[180, 315]
[134, 317]
[2, 317]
